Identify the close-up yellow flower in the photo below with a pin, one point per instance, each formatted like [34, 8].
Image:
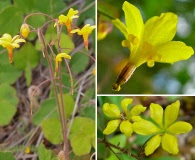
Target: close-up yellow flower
[85, 31]
[150, 42]
[67, 20]
[59, 59]
[163, 128]
[123, 119]
[10, 43]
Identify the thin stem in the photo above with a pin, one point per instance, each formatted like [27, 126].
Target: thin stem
[66, 146]
[70, 73]
[32, 14]
[75, 106]
[52, 75]
[123, 150]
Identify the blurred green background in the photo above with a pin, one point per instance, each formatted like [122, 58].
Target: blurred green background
[163, 78]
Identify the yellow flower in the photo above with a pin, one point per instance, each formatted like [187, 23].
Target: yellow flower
[67, 20]
[164, 128]
[59, 59]
[149, 42]
[85, 31]
[24, 30]
[27, 150]
[123, 119]
[10, 43]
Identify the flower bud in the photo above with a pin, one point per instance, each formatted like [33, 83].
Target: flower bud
[24, 30]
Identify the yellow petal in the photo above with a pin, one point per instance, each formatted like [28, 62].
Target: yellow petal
[126, 128]
[160, 29]
[111, 110]
[125, 103]
[136, 110]
[180, 127]
[171, 113]
[111, 126]
[121, 26]
[75, 30]
[133, 19]
[19, 40]
[136, 118]
[170, 144]
[173, 51]
[145, 127]
[152, 144]
[156, 113]
[62, 55]
[6, 37]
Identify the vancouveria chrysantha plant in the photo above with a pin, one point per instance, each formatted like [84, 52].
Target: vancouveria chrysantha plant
[150, 42]
[10, 43]
[124, 118]
[163, 129]
[53, 50]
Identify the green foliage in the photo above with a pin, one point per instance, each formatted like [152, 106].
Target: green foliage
[8, 102]
[43, 153]
[35, 6]
[79, 62]
[48, 109]
[82, 135]
[52, 130]
[8, 17]
[26, 59]
[8, 73]
[6, 156]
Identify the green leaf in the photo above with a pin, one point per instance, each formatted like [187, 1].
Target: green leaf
[7, 111]
[10, 20]
[48, 7]
[9, 74]
[78, 62]
[24, 6]
[6, 156]
[8, 101]
[81, 144]
[4, 4]
[85, 128]
[52, 130]
[88, 112]
[43, 153]
[47, 110]
[27, 55]
[68, 104]
[7, 93]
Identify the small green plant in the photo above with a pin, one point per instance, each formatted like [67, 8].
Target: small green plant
[160, 129]
[63, 123]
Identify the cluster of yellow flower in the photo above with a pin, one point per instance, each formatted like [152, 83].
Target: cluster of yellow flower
[10, 43]
[163, 127]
